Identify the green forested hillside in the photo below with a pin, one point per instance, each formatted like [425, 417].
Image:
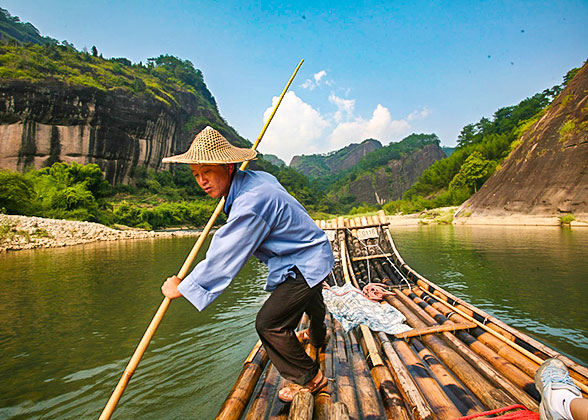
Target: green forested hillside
[26, 55]
[319, 166]
[481, 147]
[12, 30]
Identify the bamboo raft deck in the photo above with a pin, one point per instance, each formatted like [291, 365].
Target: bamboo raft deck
[456, 361]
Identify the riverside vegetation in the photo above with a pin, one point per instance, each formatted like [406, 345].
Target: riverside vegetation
[172, 198]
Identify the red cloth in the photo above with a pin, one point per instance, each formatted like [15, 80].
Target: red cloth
[523, 414]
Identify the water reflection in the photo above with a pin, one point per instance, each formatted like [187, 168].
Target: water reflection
[74, 316]
[533, 278]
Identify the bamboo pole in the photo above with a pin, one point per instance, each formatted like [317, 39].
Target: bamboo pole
[578, 372]
[383, 380]
[418, 332]
[391, 397]
[322, 401]
[369, 403]
[419, 406]
[462, 399]
[344, 385]
[474, 359]
[142, 347]
[302, 406]
[491, 397]
[511, 371]
[239, 396]
[339, 411]
[260, 406]
[440, 403]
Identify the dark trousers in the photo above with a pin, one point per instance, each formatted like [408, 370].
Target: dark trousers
[277, 320]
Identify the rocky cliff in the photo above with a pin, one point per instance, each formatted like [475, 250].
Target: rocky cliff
[320, 165]
[45, 122]
[547, 174]
[392, 180]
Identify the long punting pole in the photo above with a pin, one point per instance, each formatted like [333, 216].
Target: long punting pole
[142, 347]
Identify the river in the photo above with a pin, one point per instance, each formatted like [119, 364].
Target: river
[71, 317]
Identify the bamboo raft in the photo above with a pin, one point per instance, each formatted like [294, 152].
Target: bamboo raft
[457, 360]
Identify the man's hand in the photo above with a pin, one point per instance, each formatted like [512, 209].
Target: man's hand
[170, 287]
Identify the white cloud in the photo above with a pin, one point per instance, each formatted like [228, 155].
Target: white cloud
[419, 115]
[345, 107]
[307, 84]
[318, 76]
[296, 129]
[380, 126]
[318, 80]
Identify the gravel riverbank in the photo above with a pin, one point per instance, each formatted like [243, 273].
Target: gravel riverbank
[22, 232]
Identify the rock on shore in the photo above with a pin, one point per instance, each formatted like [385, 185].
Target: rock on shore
[22, 232]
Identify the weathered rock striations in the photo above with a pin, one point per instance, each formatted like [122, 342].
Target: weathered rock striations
[391, 181]
[547, 174]
[46, 122]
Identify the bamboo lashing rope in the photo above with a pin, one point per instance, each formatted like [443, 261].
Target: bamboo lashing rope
[514, 345]
[142, 347]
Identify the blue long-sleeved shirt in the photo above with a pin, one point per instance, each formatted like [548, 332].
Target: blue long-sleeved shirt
[265, 221]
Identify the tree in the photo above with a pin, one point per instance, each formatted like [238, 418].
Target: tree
[16, 193]
[94, 51]
[474, 171]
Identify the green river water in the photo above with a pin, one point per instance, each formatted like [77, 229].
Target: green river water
[72, 317]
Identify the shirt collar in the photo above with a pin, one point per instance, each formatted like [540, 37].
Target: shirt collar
[234, 190]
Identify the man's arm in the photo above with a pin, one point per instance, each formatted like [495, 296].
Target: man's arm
[231, 247]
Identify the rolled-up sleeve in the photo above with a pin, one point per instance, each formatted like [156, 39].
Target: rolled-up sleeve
[230, 248]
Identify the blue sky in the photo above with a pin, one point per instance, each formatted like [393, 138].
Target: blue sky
[372, 69]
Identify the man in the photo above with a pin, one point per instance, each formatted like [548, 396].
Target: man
[265, 221]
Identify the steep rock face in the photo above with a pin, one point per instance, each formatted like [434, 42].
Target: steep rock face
[547, 174]
[43, 123]
[395, 178]
[332, 163]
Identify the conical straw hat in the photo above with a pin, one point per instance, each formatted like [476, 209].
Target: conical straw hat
[210, 147]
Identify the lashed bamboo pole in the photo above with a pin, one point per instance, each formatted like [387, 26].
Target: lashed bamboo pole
[383, 380]
[420, 407]
[491, 397]
[339, 411]
[344, 385]
[260, 406]
[239, 396]
[391, 397]
[369, 402]
[322, 401]
[142, 347]
[474, 359]
[441, 404]
[509, 370]
[463, 400]
[520, 360]
[302, 407]
[578, 372]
